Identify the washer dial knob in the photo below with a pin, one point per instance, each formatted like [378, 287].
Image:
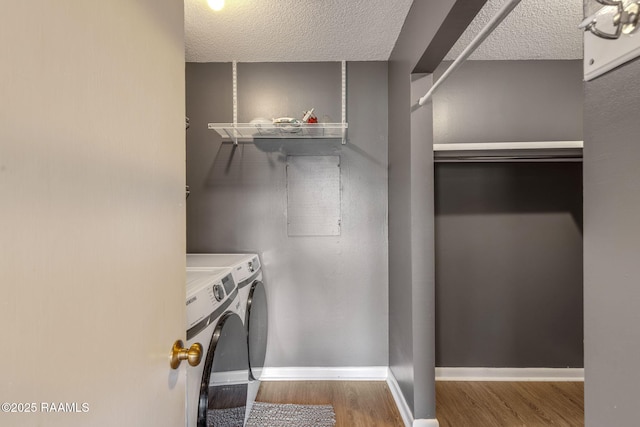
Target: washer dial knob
[218, 292]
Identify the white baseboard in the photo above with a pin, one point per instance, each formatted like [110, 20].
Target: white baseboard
[403, 407]
[509, 374]
[401, 403]
[228, 377]
[348, 373]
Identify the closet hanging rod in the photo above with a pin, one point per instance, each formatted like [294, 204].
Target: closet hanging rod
[504, 11]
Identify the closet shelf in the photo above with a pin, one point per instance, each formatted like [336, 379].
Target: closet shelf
[509, 151]
[534, 145]
[250, 131]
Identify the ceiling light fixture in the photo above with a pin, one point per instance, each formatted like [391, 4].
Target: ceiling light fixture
[216, 5]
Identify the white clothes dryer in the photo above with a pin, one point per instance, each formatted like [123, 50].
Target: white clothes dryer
[217, 388]
[247, 273]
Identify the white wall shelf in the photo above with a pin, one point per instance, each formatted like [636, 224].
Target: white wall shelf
[250, 131]
[247, 132]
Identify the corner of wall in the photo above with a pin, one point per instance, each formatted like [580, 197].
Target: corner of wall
[398, 397]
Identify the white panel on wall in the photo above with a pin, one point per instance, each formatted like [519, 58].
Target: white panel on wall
[602, 55]
[313, 196]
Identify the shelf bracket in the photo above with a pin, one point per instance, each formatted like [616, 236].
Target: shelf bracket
[344, 102]
[235, 102]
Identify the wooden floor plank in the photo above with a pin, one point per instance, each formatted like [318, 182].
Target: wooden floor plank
[509, 404]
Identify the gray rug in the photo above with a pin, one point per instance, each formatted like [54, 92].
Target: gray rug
[231, 417]
[274, 415]
[279, 415]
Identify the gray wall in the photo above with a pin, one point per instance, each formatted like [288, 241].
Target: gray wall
[612, 249]
[422, 253]
[493, 101]
[509, 235]
[509, 264]
[328, 296]
[410, 163]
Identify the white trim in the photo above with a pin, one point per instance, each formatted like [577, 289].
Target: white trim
[351, 373]
[401, 403]
[426, 423]
[602, 55]
[228, 377]
[534, 145]
[509, 374]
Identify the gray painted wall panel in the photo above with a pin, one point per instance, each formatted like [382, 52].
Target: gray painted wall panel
[493, 101]
[422, 23]
[422, 248]
[612, 236]
[400, 289]
[509, 265]
[328, 296]
[271, 90]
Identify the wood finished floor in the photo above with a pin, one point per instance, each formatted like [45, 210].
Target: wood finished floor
[458, 404]
[510, 404]
[356, 403]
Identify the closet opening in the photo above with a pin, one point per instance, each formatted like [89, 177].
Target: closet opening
[509, 238]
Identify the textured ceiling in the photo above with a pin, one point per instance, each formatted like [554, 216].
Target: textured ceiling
[293, 30]
[366, 30]
[536, 29]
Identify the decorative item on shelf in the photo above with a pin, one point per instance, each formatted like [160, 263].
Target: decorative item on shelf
[309, 117]
[262, 127]
[288, 124]
[312, 121]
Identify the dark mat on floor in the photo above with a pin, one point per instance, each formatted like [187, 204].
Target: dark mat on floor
[286, 415]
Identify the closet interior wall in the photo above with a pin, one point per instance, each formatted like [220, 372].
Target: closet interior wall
[509, 235]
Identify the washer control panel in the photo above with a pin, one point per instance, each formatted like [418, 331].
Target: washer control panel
[245, 270]
[206, 291]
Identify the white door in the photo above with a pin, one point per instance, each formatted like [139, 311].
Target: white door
[92, 222]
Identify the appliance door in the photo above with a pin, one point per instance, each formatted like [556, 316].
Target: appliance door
[257, 326]
[223, 389]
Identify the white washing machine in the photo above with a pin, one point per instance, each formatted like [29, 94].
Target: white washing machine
[217, 388]
[247, 273]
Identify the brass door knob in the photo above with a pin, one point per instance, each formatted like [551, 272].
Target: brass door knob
[192, 354]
